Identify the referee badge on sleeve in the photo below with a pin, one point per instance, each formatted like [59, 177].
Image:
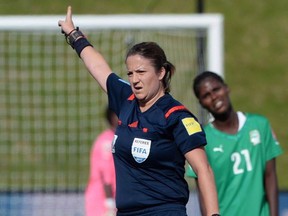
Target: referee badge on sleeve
[191, 125]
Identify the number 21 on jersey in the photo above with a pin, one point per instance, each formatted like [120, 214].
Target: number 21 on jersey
[239, 157]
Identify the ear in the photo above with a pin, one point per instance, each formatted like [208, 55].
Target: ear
[227, 89]
[162, 73]
[199, 101]
[201, 104]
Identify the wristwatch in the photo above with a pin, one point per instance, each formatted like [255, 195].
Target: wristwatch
[73, 36]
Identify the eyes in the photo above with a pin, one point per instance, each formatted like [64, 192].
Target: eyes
[210, 93]
[139, 72]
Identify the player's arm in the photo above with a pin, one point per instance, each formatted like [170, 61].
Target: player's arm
[198, 161]
[200, 198]
[93, 60]
[271, 186]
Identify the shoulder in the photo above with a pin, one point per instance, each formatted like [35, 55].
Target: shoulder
[257, 118]
[167, 112]
[208, 126]
[114, 77]
[171, 108]
[211, 131]
[106, 134]
[118, 91]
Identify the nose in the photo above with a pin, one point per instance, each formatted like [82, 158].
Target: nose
[135, 78]
[213, 95]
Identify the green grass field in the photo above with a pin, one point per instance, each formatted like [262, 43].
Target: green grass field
[255, 48]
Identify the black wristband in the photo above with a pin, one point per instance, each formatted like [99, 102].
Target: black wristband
[215, 215]
[80, 44]
[72, 37]
[67, 36]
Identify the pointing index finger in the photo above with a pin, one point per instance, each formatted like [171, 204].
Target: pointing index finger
[69, 14]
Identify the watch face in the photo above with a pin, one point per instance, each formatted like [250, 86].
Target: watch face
[74, 35]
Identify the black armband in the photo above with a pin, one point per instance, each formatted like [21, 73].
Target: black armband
[80, 44]
[215, 215]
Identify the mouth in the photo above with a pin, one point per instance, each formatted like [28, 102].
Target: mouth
[137, 89]
[218, 104]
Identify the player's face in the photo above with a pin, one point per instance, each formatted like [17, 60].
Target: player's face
[145, 81]
[214, 96]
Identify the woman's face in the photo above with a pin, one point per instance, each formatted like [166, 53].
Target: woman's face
[145, 81]
[214, 96]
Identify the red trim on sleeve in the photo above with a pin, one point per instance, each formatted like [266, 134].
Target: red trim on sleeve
[173, 109]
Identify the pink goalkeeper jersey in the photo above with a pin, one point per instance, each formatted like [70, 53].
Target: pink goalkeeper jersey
[101, 170]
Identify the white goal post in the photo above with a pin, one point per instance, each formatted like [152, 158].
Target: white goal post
[52, 109]
[213, 23]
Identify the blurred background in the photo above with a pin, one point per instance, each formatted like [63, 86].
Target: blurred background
[255, 52]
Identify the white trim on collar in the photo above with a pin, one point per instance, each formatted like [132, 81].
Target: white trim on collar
[241, 119]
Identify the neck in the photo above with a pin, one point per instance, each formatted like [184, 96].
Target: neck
[227, 122]
[145, 105]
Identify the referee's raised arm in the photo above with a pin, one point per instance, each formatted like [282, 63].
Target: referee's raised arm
[93, 60]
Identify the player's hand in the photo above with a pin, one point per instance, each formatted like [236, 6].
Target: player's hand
[110, 206]
[110, 212]
[67, 25]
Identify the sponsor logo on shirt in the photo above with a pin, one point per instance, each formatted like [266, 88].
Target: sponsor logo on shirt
[254, 137]
[218, 149]
[140, 149]
[191, 125]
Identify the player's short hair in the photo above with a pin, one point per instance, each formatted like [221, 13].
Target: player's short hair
[109, 114]
[201, 77]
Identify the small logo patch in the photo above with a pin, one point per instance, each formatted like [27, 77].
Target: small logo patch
[191, 125]
[275, 138]
[218, 149]
[113, 143]
[140, 149]
[255, 137]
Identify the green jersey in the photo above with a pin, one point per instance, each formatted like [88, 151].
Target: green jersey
[238, 162]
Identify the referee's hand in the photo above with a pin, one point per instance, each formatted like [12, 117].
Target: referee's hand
[67, 25]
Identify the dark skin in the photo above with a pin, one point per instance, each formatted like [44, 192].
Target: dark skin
[214, 97]
[271, 187]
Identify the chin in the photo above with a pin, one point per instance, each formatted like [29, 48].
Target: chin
[218, 112]
[139, 98]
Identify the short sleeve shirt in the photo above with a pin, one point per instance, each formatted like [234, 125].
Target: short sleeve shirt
[239, 162]
[149, 148]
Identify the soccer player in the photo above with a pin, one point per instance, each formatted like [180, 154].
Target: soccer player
[100, 191]
[242, 151]
[155, 134]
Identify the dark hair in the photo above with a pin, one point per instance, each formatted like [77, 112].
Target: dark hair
[201, 77]
[109, 115]
[155, 53]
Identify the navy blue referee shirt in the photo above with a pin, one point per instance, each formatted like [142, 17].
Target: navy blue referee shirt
[149, 148]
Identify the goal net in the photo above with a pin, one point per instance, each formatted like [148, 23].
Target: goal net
[51, 109]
